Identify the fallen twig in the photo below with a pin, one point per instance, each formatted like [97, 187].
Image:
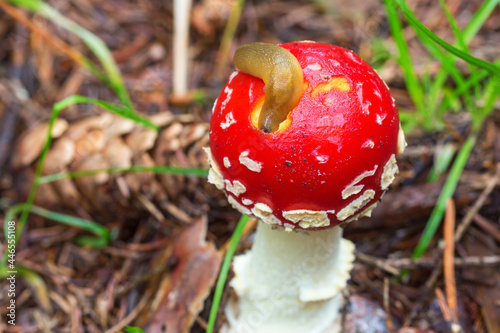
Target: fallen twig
[466, 221]
[448, 262]
[487, 226]
[379, 263]
[396, 265]
[387, 309]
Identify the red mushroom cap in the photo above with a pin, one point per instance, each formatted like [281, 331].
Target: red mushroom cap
[331, 160]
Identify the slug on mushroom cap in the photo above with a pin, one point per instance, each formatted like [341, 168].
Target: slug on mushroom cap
[280, 98]
[332, 157]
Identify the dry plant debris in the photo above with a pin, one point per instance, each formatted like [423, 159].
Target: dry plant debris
[100, 290]
[181, 296]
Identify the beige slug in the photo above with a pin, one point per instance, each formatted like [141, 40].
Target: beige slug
[282, 75]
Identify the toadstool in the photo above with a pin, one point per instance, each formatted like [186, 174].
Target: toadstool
[304, 136]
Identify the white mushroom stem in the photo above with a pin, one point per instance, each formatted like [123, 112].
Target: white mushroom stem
[290, 282]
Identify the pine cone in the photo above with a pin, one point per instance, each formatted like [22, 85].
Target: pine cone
[107, 141]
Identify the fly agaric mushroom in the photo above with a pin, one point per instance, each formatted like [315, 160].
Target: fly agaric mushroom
[304, 136]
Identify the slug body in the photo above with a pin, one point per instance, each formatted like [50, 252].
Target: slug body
[282, 75]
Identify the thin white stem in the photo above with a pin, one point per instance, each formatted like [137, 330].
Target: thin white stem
[182, 8]
[290, 282]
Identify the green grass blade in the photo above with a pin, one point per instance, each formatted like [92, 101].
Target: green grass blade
[34, 281]
[199, 172]
[473, 80]
[459, 53]
[434, 92]
[408, 120]
[92, 242]
[228, 36]
[454, 27]
[104, 236]
[224, 270]
[405, 61]
[31, 5]
[97, 46]
[12, 212]
[10, 216]
[463, 38]
[113, 78]
[427, 103]
[446, 193]
[73, 221]
[478, 19]
[462, 44]
[87, 225]
[442, 160]
[121, 111]
[490, 98]
[130, 329]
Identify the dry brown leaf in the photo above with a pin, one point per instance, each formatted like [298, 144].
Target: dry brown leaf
[118, 154]
[170, 138]
[59, 156]
[31, 143]
[93, 141]
[90, 186]
[190, 281]
[135, 180]
[82, 127]
[193, 133]
[141, 140]
[162, 118]
[119, 126]
[68, 193]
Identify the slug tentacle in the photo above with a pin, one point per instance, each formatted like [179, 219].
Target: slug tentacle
[282, 75]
